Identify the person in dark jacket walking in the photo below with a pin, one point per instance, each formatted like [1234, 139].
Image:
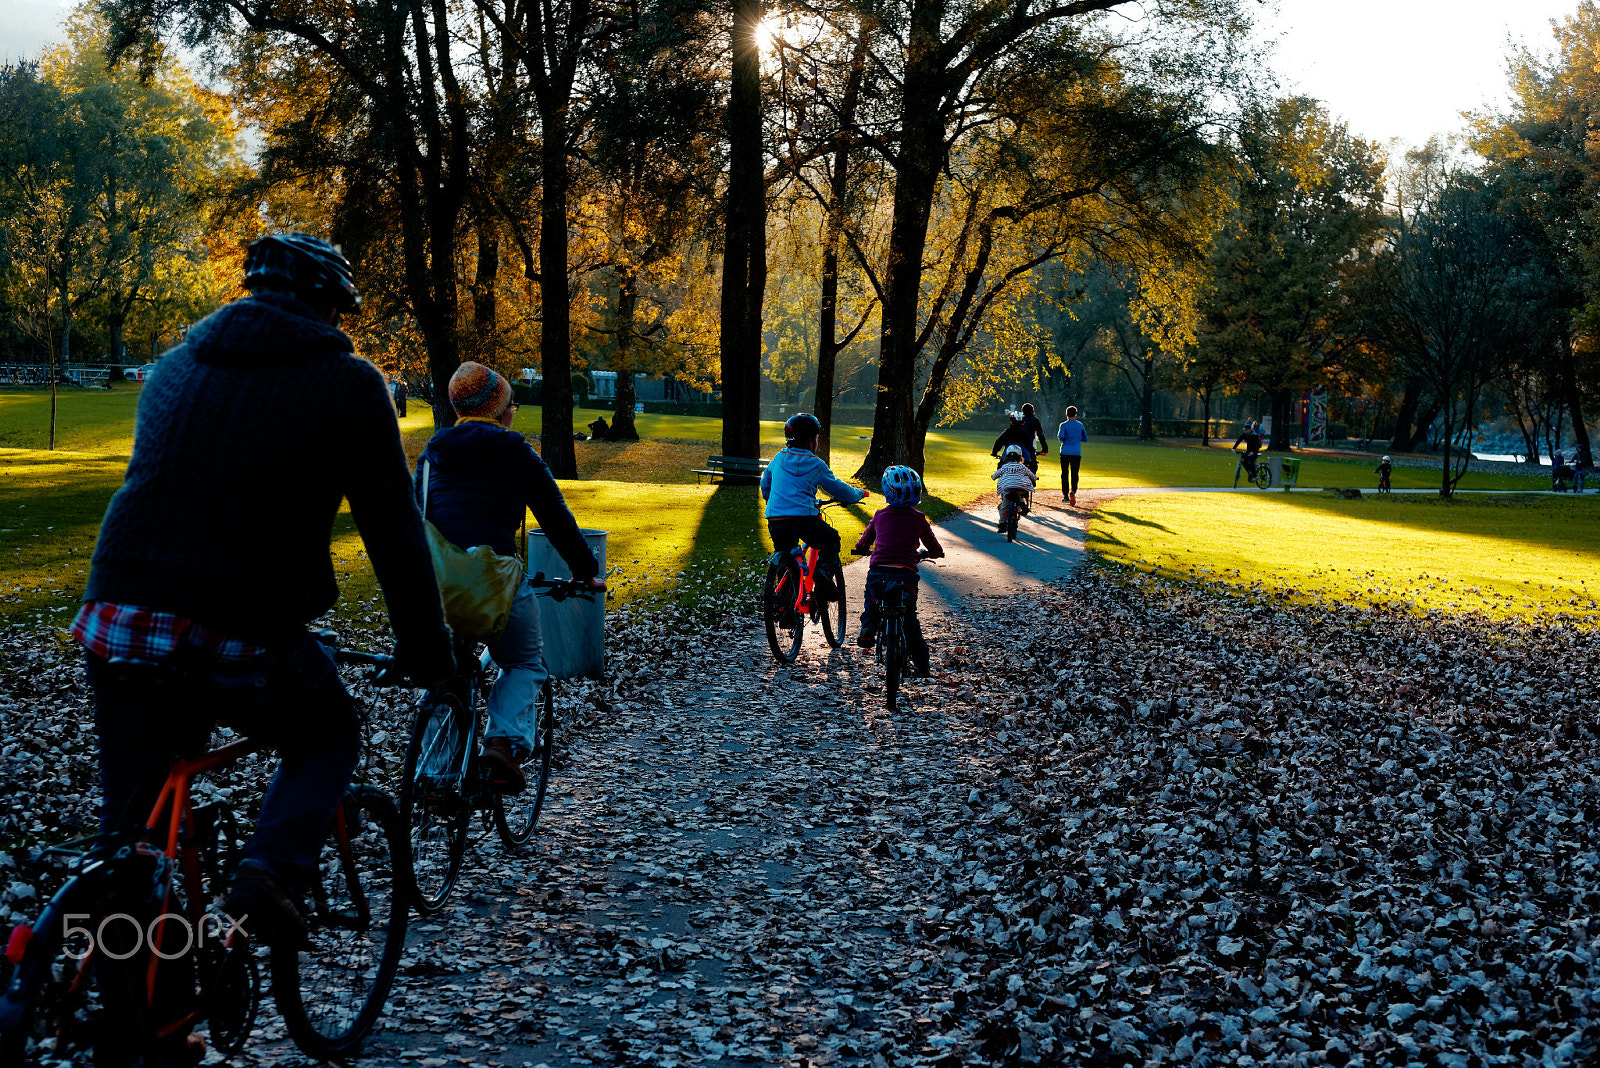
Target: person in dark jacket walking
[1035, 430]
[481, 478]
[1016, 433]
[213, 558]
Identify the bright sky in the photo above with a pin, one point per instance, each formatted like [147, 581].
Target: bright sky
[1405, 68]
[1390, 68]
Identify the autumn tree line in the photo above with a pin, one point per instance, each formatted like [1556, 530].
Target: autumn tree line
[917, 205]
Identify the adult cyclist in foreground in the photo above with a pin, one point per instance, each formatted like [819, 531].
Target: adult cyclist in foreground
[213, 558]
[789, 486]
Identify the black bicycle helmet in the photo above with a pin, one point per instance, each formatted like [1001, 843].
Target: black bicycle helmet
[304, 265]
[802, 426]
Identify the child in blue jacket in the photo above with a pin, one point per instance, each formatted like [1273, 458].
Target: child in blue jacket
[789, 486]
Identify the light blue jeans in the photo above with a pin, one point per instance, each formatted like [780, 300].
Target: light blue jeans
[518, 653]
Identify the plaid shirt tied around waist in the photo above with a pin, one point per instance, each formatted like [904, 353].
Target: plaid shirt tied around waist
[125, 631]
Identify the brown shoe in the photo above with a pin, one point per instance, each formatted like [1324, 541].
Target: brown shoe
[505, 770]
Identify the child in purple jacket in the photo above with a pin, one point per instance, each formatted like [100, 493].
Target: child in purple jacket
[894, 536]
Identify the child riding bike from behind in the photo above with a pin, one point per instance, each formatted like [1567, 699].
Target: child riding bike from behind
[1013, 477]
[789, 486]
[893, 536]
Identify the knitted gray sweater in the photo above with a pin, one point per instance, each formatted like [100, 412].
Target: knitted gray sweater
[248, 436]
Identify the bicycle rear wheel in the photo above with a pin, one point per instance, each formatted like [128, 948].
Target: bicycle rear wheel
[59, 994]
[1263, 476]
[516, 815]
[332, 991]
[894, 659]
[785, 626]
[79, 1001]
[434, 812]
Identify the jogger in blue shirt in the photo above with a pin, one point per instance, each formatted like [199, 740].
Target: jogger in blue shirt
[1072, 435]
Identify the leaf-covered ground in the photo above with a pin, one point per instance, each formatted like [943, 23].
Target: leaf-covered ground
[1132, 822]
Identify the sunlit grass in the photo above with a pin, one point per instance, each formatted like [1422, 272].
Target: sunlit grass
[644, 493]
[1502, 556]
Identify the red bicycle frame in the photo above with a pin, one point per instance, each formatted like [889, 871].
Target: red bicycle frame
[172, 813]
[808, 579]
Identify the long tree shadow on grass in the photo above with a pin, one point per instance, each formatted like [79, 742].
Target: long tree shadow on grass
[1544, 521]
[728, 550]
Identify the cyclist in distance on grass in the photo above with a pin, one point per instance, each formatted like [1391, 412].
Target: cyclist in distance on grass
[482, 476]
[213, 558]
[893, 536]
[1250, 438]
[789, 486]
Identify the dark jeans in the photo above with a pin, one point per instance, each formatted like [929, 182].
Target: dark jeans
[289, 699]
[790, 530]
[1069, 473]
[879, 581]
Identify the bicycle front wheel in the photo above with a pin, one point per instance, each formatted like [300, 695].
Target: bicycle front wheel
[433, 810]
[515, 816]
[785, 626]
[834, 619]
[332, 990]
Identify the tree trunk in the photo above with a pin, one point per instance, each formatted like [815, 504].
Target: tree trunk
[1147, 428]
[1205, 431]
[922, 155]
[744, 261]
[420, 241]
[828, 312]
[484, 305]
[1523, 420]
[114, 323]
[1419, 434]
[66, 356]
[1282, 409]
[1408, 411]
[622, 428]
[555, 333]
[1574, 404]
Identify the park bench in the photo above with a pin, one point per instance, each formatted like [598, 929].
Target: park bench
[720, 467]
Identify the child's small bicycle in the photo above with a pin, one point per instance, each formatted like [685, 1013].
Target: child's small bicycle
[787, 601]
[1013, 506]
[893, 648]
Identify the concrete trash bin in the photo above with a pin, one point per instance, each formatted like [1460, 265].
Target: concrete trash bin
[574, 630]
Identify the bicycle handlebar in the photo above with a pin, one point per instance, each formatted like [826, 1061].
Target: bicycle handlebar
[561, 589]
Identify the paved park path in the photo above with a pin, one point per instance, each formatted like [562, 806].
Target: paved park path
[981, 565]
[730, 869]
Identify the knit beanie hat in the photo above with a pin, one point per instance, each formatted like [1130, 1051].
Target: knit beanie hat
[479, 390]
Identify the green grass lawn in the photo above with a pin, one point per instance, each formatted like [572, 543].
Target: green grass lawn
[1503, 556]
[644, 493]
